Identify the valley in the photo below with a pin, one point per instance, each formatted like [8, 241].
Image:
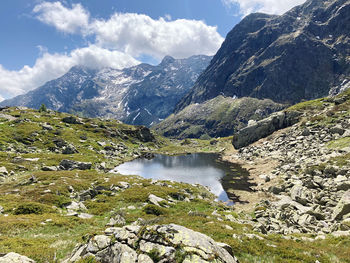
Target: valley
[239, 157]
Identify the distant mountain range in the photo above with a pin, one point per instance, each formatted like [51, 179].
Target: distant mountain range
[143, 94]
[277, 60]
[301, 55]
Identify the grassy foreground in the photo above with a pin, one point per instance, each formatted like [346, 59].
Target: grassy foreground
[34, 220]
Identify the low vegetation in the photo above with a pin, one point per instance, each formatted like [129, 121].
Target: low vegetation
[36, 222]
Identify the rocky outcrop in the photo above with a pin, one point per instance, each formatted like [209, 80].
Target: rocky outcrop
[265, 127]
[158, 243]
[310, 194]
[72, 165]
[302, 54]
[141, 133]
[15, 258]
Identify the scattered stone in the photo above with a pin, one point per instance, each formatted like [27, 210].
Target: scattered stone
[117, 220]
[72, 165]
[69, 149]
[85, 216]
[49, 168]
[155, 199]
[71, 120]
[3, 171]
[15, 258]
[47, 127]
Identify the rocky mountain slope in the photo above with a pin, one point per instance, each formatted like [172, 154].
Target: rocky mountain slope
[218, 117]
[142, 94]
[307, 188]
[301, 55]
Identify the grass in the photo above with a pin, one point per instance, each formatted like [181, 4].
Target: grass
[35, 224]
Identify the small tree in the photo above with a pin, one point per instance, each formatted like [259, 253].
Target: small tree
[43, 108]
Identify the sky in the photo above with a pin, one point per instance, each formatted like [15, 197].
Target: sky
[41, 40]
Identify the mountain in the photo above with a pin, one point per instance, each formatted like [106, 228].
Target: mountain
[218, 117]
[143, 94]
[301, 55]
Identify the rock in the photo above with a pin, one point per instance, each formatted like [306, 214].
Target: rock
[3, 171]
[136, 244]
[297, 193]
[71, 120]
[341, 233]
[337, 129]
[69, 149]
[275, 190]
[75, 206]
[155, 199]
[47, 127]
[343, 207]
[141, 133]
[118, 220]
[49, 168]
[15, 258]
[97, 243]
[72, 165]
[85, 216]
[265, 127]
[144, 258]
[306, 132]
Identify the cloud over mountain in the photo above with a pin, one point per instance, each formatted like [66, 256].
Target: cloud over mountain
[277, 7]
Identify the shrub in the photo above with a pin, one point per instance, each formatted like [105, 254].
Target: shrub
[154, 210]
[43, 108]
[30, 208]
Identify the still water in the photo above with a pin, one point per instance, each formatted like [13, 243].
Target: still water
[198, 168]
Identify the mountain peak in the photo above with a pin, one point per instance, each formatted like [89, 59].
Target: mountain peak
[167, 60]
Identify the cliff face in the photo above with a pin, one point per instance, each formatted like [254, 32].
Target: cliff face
[303, 54]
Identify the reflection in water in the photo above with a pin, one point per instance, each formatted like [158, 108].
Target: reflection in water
[198, 168]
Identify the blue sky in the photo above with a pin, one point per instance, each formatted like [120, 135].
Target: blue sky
[41, 40]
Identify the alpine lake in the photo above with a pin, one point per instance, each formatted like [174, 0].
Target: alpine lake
[207, 169]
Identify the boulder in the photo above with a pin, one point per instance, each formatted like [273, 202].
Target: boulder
[69, 149]
[49, 168]
[141, 133]
[116, 220]
[265, 127]
[161, 242]
[3, 171]
[71, 120]
[153, 199]
[343, 207]
[72, 165]
[15, 258]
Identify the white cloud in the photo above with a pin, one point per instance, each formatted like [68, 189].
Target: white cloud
[1, 98]
[265, 6]
[137, 34]
[51, 66]
[134, 34]
[118, 40]
[64, 19]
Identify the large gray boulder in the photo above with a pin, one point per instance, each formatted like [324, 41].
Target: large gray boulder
[343, 207]
[265, 127]
[158, 243]
[15, 258]
[72, 165]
